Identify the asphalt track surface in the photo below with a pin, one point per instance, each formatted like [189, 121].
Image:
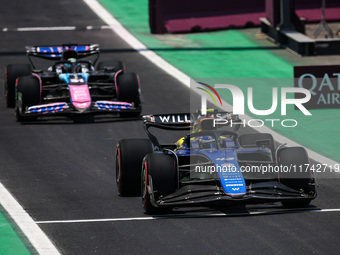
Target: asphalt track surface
[61, 170]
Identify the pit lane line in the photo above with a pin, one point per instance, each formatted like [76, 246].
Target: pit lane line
[212, 215]
[60, 28]
[125, 35]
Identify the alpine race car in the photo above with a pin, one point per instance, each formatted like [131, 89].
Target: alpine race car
[211, 166]
[72, 84]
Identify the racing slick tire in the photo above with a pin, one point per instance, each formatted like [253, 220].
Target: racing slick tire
[109, 65]
[13, 72]
[129, 91]
[28, 94]
[294, 158]
[250, 139]
[129, 158]
[159, 173]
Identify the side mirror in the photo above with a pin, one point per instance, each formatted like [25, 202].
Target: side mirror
[263, 143]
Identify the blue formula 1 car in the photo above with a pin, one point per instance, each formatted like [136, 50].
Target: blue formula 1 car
[71, 85]
[213, 165]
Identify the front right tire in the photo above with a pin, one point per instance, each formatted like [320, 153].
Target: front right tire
[129, 158]
[28, 94]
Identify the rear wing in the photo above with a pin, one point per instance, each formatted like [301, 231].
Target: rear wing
[55, 52]
[184, 120]
[177, 121]
[180, 121]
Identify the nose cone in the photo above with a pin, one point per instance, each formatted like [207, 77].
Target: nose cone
[80, 96]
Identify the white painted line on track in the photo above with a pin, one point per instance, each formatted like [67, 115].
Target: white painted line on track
[41, 243]
[29, 29]
[191, 216]
[182, 77]
[60, 28]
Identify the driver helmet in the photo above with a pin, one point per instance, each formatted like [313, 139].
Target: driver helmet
[77, 68]
[68, 68]
[201, 124]
[72, 66]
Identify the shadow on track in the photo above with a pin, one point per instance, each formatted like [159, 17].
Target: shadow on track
[235, 211]
[82, 119]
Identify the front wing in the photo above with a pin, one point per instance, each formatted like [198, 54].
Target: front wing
[206, 195]
[63, 108]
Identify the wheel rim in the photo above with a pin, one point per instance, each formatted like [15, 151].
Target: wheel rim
[118, 165]
[144, 183]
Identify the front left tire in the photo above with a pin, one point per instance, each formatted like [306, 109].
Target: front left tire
[129, 91]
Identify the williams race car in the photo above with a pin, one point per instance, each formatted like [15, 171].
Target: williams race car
[211, 166]
[71, 85]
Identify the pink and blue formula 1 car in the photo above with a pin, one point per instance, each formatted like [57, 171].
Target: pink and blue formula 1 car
[211, 166]
[71, 85]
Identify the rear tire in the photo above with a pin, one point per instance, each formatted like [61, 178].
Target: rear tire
[129, 91]
[161, 169]
[111, 66]
[28, 94]
[13, 72]
[129, 158]
[301, 179]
